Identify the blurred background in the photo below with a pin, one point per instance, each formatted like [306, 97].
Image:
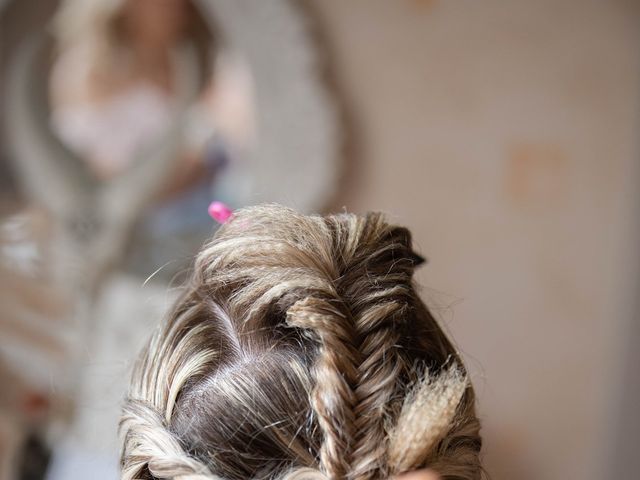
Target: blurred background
[503, 134]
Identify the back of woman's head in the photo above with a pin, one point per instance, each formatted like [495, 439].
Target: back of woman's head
[300, 349]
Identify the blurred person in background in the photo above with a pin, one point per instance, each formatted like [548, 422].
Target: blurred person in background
[115, 81]
[123, 73]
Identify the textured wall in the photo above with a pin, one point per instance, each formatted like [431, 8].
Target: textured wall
[504, 135]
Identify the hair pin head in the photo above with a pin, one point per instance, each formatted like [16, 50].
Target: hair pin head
[220, 212]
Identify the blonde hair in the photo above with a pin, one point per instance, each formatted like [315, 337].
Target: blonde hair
[300, 350]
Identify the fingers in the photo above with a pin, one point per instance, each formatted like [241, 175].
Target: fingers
[419, 475]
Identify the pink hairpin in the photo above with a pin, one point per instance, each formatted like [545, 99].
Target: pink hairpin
[220, 212]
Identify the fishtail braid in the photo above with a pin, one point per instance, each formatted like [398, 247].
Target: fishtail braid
[290, 356]
[335, 372]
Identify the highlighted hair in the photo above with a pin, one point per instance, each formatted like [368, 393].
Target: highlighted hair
[300, 350]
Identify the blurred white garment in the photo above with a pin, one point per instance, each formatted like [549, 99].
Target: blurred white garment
[108, 134]
[111, 133]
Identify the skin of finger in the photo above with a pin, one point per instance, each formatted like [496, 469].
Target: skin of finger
[419, 475]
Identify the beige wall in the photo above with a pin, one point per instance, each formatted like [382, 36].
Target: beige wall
[504, 134]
